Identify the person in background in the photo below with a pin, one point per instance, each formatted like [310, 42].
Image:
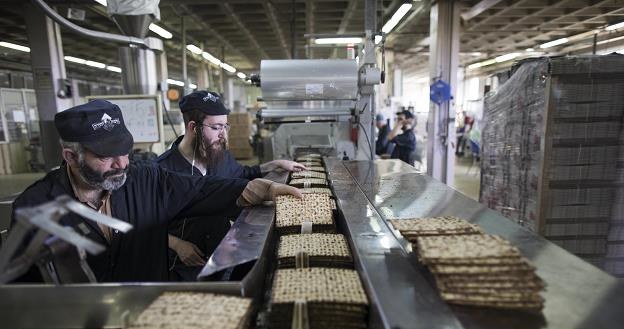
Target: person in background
[402, 135]
[96, 171]
[381, 145]
[202, 151]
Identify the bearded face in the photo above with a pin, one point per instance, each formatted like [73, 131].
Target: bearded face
[211, 151]
[109, 180]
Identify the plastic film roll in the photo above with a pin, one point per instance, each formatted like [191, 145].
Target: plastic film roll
[304, 79]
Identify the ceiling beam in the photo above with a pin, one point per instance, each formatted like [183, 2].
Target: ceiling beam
[272, 16]
[207, 28]
[229, 11]
[346, 17]
[479, 8]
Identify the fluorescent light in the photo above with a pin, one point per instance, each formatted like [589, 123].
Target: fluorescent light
[482, 64]
[175, 82]
[192, 86]
[529, 49]
[160, 31]
[102, 2]
[228, 67]
[211, 59]
[14, 46]
[554, 43]
[241, 75]
[396, 18]
[615, 26]
[377, 39]
[506, 57]
[329, 41]
[113, 68]
[95, 64]
[75, 59]
[194, 49]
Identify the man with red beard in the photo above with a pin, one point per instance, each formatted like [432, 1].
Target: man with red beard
[203, 151]
[96, 171]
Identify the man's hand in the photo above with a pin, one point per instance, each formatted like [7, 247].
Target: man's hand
[281, 164]
[282, 189]
[189, 253]
[260, 190]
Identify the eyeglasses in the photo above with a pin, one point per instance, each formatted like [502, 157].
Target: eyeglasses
[217, 127]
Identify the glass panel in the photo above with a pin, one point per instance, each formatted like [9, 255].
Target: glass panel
[14, 114]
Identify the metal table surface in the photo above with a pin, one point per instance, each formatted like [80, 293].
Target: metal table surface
[578, 295]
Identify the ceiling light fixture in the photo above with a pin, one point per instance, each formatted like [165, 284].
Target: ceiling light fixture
[194, 49]
[228, 67]
[615, 26]
[396, 18]
[160, 31]
[14, 46]
[554, 43]
[506, 57]
[207, 56]
[113, 68]
[241, 75]
[337, 41]
[75, 59]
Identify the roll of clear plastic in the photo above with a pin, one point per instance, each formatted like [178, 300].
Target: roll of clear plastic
[309, 79]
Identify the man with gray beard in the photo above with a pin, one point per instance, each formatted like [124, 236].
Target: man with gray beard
[96, 171]
[202, 151]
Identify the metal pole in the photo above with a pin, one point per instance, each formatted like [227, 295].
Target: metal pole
[293, 31]
[595, 43]
[184, 72]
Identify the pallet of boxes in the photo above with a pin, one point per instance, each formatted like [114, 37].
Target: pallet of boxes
[239, 135]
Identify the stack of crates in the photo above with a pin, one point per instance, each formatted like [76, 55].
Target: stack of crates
[553, 149]
[239, 135]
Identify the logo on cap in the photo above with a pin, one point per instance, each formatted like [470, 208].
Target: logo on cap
[211, 97]
[106, 122]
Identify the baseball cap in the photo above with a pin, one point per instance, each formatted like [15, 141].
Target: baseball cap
[208, 102]
[98, 126]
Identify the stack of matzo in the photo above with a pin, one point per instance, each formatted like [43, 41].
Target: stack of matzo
[335, 298]
[323, 250]
[308, 174]
[481, 270]
[190, 310]
[315, 167]
[411, 229]
[291, 212]
[319, 190]
[308, 182]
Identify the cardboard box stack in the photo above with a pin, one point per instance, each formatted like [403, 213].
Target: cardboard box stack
[239, 135]
[553, 145]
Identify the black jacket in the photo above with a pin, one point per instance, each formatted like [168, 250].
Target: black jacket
[382, 140]
[405, 146]
[149, 199]
[206, 232]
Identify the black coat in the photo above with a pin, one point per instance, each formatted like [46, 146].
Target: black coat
[405, 146]
[150, 198]
[206, 232]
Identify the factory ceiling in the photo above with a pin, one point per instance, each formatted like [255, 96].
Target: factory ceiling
[243, 32]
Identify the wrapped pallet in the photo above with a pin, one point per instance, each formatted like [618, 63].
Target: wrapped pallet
[553, 145]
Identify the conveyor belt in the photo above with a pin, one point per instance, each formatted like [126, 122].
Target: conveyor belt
[578, 295]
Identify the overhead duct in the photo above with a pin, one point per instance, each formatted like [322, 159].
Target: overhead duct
[138, 64]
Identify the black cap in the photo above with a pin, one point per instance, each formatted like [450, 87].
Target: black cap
[408, 114]
[208, 102]
[98, 126]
